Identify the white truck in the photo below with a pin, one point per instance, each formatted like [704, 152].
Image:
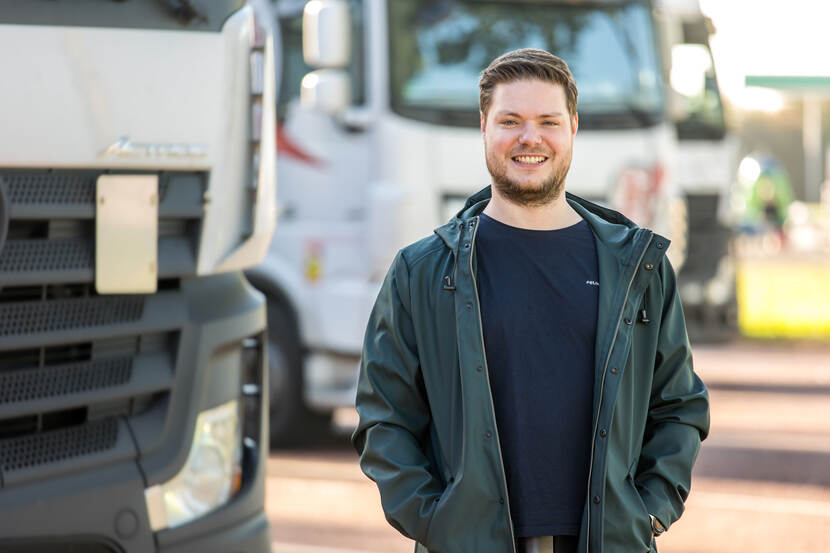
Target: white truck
[136, 183]
[385, 146]
[706, 171]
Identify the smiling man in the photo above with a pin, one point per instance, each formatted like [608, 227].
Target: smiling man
[526, 382]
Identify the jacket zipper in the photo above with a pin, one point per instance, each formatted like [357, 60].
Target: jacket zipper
[602, 383]
[487, 376]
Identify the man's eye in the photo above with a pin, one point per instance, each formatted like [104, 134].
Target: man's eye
[508, 122]
[551, 123]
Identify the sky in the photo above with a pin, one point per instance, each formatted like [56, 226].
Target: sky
[767, 37]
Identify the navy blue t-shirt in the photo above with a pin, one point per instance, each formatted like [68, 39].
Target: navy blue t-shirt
[539, 292]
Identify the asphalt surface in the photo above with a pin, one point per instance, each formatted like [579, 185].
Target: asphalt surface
[761, 483]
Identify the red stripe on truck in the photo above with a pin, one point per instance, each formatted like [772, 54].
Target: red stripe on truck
[287, 146]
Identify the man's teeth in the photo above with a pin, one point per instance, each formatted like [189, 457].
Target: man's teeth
[530, 159]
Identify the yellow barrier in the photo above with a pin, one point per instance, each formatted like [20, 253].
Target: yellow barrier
[784, 298]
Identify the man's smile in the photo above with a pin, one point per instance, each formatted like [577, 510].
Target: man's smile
[527, 160]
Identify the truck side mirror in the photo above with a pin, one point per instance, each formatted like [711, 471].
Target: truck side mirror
[678, 105]
[327, 47]
[326, 34]
[690, 64]
[326, 90]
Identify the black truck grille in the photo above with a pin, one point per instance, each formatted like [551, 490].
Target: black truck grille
[51, 447]
[26, 318]
[39, 256]
[51, 234]
[72, 193]
[708, 239]
[71, 399]
[27, 385]
[75, 365]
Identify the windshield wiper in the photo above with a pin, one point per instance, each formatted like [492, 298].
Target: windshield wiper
[643, 117]
[454, 117]
[620, 117]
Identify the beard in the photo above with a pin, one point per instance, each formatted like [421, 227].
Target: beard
[530, 194]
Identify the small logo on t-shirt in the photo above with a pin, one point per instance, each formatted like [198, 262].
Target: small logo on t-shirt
[592, 282]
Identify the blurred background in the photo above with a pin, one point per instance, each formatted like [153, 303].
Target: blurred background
[140, 144]
[703, 120]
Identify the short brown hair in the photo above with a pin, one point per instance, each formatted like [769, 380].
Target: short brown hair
[526, 63]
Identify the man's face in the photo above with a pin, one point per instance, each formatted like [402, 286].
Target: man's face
[528, 140]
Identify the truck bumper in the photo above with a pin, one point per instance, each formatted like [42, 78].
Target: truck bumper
[75, 514]
[250, 536]
[81, 487]
[330, 380]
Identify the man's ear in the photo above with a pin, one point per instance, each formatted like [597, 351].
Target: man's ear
[574, 123]
[482, 121]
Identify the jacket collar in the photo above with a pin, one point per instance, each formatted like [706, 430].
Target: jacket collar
[615, 233]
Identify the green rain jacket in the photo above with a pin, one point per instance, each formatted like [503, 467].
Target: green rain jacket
[427, 433]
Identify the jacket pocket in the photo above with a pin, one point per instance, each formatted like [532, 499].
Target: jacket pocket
[643, 520]
[436, 531]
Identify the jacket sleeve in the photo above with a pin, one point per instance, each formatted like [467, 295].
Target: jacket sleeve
[678, 414]
[394, 414]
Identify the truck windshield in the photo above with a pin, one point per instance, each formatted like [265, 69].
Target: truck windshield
[438, 48]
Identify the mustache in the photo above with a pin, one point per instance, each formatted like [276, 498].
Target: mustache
[531, 153]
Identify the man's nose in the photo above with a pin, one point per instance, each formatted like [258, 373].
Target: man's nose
[530, 134]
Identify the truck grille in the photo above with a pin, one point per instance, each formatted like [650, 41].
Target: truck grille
[73, 398]
[708, 237]
[28, 451]
[25, 318]
[51, 236]
[41, 256]
[702, 209]
[28, 385]
[75, 366]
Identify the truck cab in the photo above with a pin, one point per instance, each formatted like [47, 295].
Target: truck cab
[136, 183]
[707, 162]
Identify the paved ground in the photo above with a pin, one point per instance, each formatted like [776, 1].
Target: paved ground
[761, 484]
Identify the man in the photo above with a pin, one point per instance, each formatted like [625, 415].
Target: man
[526, 381]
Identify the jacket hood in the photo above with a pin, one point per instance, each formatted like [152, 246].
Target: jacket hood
[611, 228]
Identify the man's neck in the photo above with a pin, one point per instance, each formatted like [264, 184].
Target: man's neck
[552, 216]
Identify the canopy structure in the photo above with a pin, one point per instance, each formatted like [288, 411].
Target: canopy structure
[812, 91]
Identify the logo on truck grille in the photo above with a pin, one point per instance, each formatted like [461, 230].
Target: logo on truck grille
[124, 147]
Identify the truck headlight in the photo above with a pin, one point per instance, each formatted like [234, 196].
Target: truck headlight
[210, 476]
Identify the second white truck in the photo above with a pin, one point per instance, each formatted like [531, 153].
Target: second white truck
[386, 146]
